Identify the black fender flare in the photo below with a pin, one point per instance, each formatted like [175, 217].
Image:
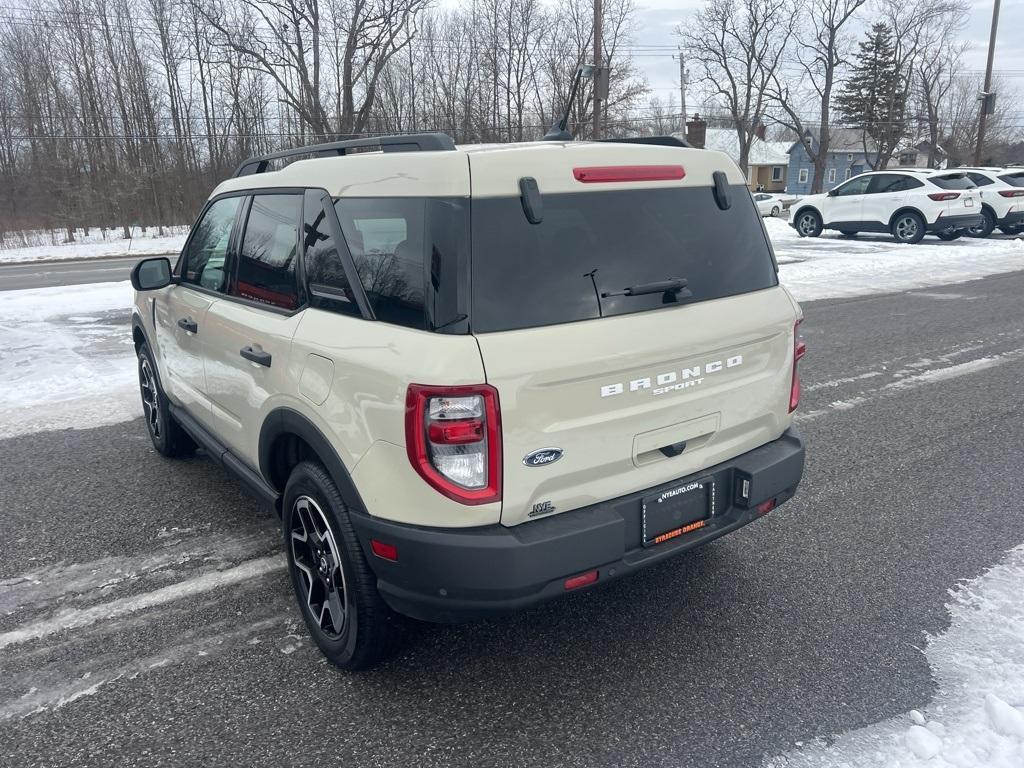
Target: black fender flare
[284, 421]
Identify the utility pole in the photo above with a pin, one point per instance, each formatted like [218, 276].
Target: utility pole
[682, 86]
[987, 101]
[598, 32]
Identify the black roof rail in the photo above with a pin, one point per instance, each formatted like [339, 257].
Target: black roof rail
[411, 142]
[661, 141]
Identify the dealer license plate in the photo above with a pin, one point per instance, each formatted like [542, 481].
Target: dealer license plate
[678, 510]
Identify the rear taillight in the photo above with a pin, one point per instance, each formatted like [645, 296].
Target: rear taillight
[799, 350]
[940, 196]
[1012, 192]
[453, 437]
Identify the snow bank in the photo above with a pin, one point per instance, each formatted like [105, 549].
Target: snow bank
[66, 358]
[976, 719]
[832, 266]
[46, 246]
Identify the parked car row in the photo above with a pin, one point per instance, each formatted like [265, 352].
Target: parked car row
[910, 203]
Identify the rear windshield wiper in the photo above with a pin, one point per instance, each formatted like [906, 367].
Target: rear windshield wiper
[672, 286]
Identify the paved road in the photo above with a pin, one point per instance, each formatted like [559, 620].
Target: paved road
[185, 647]
[44, 274]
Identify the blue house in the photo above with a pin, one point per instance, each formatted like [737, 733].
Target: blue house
[846, 158]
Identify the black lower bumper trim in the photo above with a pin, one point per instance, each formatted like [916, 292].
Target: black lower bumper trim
[1011, 219]
[453, 575]
[960, 221]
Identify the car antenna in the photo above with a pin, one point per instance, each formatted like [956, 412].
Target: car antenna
[559, 131]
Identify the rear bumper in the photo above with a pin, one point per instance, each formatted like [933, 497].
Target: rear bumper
[961, 221]
[452, 575]
[1012, 219]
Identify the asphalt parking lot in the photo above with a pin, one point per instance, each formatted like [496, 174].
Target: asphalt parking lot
[146, 618]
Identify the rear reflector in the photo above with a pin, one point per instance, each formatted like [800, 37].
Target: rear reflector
[766, 506]
[1012, 192]
[940, 196]
[610, 173]
[386, 551]
[575, 582]
[799, 350]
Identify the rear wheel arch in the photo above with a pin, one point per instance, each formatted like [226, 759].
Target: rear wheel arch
[907, 209]
[288, 438]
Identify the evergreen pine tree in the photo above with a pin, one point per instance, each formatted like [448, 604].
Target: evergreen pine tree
[873, 98]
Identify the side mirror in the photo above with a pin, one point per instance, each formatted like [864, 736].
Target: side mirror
[830, 193]
[152, 274]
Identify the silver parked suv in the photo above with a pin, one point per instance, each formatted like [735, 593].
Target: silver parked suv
[472, 379]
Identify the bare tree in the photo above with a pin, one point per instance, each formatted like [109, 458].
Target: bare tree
[817, 48]
[737, 46]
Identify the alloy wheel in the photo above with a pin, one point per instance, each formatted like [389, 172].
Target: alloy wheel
[318, 561]
[808, 224]
[906, 228]
[150, 398]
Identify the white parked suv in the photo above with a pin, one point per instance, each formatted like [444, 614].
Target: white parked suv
[906, 203]
[474, 379]
[1002, 199]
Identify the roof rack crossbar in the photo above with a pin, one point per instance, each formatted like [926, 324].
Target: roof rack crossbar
[412, 142]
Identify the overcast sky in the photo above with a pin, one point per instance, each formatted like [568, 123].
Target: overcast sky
[659, 18]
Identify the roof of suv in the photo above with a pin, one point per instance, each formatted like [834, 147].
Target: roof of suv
[496, 169]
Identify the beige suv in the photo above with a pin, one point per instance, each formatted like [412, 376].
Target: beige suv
[471, 379]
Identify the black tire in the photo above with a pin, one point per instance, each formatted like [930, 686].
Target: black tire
[1015, 229]
[808, 223]
[908, 227]
[168, 437]
[848, 232]
[329, 559]
[988, 223]
[776, 210]
[950, 236]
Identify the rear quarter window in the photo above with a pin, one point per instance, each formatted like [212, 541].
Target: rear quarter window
[1015, 179]
[955, 181]
[597, 242]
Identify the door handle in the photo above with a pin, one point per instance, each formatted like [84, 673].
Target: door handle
[257, 356]
[188, 324]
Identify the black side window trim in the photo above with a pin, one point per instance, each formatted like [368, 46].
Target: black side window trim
[237, 229]
[347, 262]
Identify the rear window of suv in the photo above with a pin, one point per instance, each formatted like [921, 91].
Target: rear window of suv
[1015, 179]
[954, 181]
[598, 242]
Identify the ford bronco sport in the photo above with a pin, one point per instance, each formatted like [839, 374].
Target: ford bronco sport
[471, 379]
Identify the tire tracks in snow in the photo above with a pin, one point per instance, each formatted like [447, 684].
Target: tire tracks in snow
[68, 631]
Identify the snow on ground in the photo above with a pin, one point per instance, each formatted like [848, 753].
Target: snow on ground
[43, 245]
[976, 719]
[832, 266]
[66, 358]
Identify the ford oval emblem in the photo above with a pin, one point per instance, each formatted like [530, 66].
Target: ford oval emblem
[542, 457]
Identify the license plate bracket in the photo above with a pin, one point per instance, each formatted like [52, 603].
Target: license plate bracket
[684, 508]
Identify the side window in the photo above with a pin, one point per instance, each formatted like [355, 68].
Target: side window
[891, 182]
[802, 176]
[208, 248]
[908, 183]
[831, 175]
[386, 239]
[325, 275]
[268, 254]
[979, 179]
[855, 187]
